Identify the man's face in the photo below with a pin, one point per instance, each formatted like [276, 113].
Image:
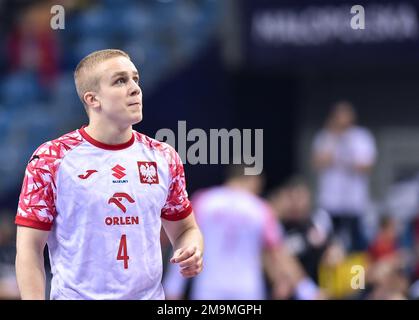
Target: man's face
[343, 116]
[301, 200]
[119, 94]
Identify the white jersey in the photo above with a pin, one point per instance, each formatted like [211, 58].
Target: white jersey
[236, 226]
[103, 205]
[340, 187]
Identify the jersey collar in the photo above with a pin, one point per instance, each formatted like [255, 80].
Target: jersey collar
[105, 146]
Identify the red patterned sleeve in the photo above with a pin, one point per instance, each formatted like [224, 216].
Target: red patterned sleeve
[177, 205]
[36, 208]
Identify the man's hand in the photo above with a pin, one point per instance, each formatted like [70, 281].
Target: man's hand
[323, 160]
[188, 244]
[189, 260]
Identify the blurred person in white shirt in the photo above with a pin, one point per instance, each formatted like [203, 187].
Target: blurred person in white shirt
[243, 243]
[343, 155]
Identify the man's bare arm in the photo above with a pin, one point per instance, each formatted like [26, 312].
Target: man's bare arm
[188, 244]
[30, 270]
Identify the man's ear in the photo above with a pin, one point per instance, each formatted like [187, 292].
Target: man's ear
[90, 99]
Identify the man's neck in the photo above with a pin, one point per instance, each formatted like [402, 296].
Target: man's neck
[338, 130]
[238, 185]
[109, 134]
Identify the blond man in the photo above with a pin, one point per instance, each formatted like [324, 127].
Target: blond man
[99, 195]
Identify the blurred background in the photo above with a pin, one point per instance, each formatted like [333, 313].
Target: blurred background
[270, 64]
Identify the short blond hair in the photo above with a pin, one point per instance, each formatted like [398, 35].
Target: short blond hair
[84, 79]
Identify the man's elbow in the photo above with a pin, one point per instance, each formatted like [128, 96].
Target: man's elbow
[363, 168]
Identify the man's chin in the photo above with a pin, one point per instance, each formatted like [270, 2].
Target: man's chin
[137, 119]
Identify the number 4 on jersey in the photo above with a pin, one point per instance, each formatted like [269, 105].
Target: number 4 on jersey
[123, 251]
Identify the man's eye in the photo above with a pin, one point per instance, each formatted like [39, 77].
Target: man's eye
[120, 81]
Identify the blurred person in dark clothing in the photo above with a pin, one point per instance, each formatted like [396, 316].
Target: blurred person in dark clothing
[307, 231]
[343, 156]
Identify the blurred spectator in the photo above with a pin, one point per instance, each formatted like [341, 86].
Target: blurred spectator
[385, 245]
[389, 267]
[343, 156]
[307, 231]
[414, 290]
[343, 275]
[33, 44]
[239, 228]
[415, 248]
[8, 284]
[387, 282]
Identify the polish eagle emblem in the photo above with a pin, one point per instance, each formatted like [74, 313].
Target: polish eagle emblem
[148, 172]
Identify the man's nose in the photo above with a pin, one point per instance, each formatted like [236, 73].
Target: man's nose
[135, 89]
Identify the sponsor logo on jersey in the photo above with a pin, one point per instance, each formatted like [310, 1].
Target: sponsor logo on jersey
[87, 175]
[117, 199]
[148, 172]
[122, 221]
[33, 158]
[118, 172]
